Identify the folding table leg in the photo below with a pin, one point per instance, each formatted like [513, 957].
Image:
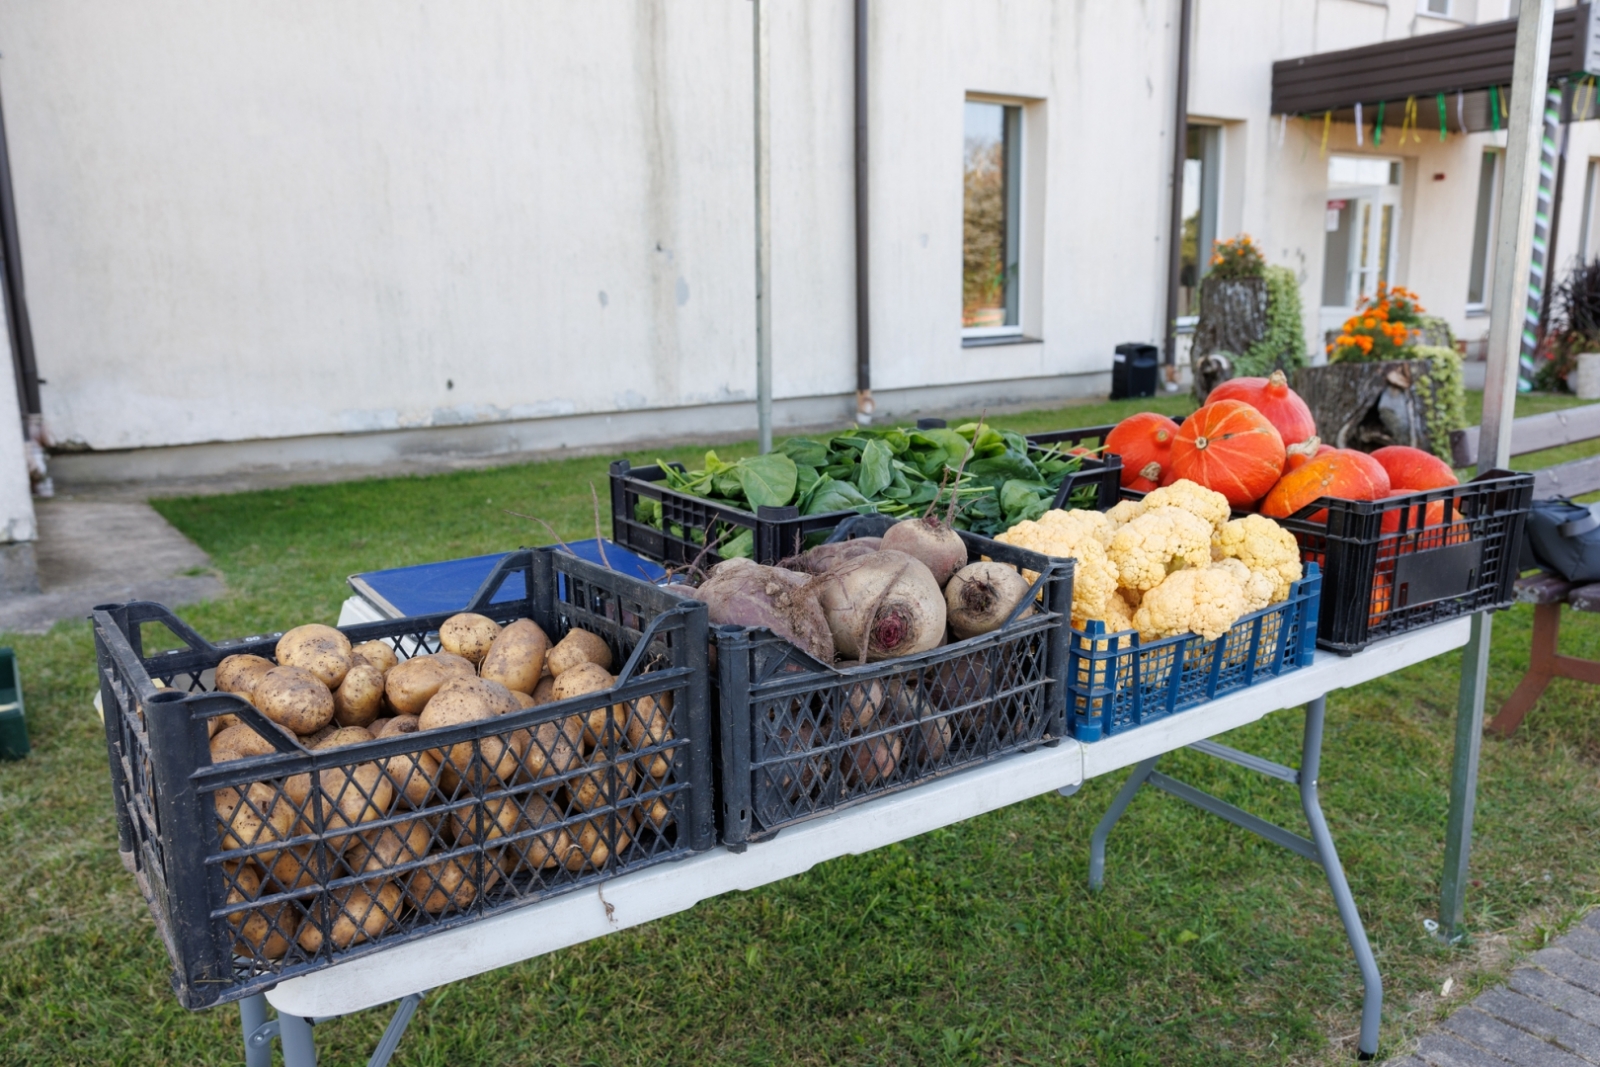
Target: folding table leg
[1310, 764]
[1097, 843]
[299, 1046]
[253, 1016]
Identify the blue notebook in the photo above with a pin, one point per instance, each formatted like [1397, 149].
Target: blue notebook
[428, 588]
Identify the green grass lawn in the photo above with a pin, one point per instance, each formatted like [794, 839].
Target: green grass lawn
[976, 944]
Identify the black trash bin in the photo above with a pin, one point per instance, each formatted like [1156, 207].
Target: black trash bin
[1135, 370]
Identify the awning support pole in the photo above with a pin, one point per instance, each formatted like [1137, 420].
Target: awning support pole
[763, 109]
[1513, 253]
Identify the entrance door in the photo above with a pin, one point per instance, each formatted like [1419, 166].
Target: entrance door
[1363, 237]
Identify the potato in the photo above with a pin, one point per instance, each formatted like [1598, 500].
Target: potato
[604, 785]
[472, 700]
[659, 813]
[322, 650]
[579, 646]
[648, 723]
[411, 684]
[414, 776]
[218, 723]
[517, 657]
[299, 866]
[263, 932]
[350, 796]
[313, 740]
[345, 735]
[474, 825]
[375, 653]
[239, 674]
[238, 742]
[358, 912]
[592, 841]
[359, 697]
[468, 635]
[383, 848]
[524, 700]
[294, 697]
[452, 883]
[454, 664]
[545, 691]
[498, 697]
[590, 678]
[554, 748]
[399, 724]
[545, 850]
[258, 815]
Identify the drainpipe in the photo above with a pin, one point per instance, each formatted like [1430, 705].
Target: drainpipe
[1180, 152]
[864, 404]
[19, 330]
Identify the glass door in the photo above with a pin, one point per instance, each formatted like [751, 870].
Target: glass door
[1361, 249]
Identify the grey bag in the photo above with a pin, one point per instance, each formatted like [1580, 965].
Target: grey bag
[1563, 537]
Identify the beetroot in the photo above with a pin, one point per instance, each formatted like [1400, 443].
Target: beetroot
[928, 539]
[824, 558]
[882, 605]
[981, 596]
[743, 593]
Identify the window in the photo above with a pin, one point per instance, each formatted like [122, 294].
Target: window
[1436, 7]
[1588, 244]
[992, 220]
[1480, 272]
[1200, 177]
[1362, 222]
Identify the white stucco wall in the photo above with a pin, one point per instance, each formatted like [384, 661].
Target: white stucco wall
[265, 222]
[16, 498]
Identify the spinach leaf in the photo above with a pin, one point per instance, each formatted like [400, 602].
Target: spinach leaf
[767, 481]
[829, 495]
[805, 452]
[877, 469]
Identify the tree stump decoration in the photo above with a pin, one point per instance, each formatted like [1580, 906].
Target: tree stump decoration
[1367, 406]
[1233, 317]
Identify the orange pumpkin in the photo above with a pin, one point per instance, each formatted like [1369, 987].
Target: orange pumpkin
[1273, 398]
[1342, 473]
[1298, 454]
[1230, 447]
[1412, 468]
[1144, 441]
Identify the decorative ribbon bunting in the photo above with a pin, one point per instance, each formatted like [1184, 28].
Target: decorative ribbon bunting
[1494, 108]
[1377, 128]
[1409, 123]
[1443, 132]
[1283, 128]
[1327, 123]
[1461, 110]
[1358, 123]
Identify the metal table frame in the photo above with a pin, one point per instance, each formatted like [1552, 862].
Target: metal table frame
[643, 896]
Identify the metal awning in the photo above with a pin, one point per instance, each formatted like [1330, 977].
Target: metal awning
[1469, 61]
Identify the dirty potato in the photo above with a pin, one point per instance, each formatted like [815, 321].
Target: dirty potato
[359, 697]
[295, 698]
[516, 659]
[468, 635]
[322, 650]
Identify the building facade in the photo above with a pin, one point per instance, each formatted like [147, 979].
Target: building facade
[317, 234]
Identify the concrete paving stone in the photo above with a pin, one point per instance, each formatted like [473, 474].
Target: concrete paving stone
[1548, 989]
[1542, 1020]
[1409, 1061]
[1592, 920]
[1564, 963]
[1445, 1050]
[1508, 1042]
[1582, 940]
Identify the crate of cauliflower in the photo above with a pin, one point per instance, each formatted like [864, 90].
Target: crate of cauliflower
[1174, 603]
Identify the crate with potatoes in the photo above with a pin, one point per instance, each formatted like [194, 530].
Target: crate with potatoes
[290, 800]
[894, 654]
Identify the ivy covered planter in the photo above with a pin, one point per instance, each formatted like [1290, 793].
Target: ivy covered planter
[1368, 405]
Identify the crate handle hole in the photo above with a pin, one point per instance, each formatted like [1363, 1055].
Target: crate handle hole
[167, 696]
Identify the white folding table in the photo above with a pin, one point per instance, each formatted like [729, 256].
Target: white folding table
[408, 970]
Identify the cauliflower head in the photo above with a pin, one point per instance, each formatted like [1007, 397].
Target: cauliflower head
[1077, 523]
[1257, 587]
[1192, 497]
[1093, 576]
[1264, 547]
[1202, 600]
[1160, 541]
[1124, 511]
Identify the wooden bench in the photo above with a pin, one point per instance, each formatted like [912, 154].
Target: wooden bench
[1544, 590]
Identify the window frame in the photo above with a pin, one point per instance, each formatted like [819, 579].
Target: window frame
[1491, 221]
[1014, 126]
[1211, 166]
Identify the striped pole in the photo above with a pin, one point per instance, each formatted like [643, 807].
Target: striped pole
[1538, 267]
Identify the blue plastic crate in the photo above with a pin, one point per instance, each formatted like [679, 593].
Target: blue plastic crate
[1115, 682]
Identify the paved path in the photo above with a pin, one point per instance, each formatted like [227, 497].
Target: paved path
[1547, 1014]
[99, 552]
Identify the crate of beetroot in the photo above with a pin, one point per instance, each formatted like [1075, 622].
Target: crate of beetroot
[771, 507]
[292, 800]
[1400, 541]
[896, 653]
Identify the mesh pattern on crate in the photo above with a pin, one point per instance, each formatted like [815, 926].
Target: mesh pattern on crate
[820, 744]
[315, 863]
[1478, 516]
[1118, 682]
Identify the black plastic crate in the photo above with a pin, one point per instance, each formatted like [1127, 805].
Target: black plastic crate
[689, 522]
[794, 741]
[1400, 564]
[316, 857]
[1116, 682]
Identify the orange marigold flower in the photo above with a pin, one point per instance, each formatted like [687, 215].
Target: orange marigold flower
[1369, 322]
[1364, 343]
